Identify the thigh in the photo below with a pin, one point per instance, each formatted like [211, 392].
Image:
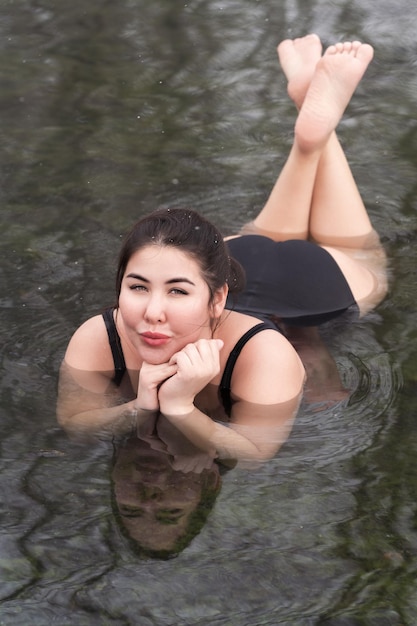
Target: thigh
[365, 273]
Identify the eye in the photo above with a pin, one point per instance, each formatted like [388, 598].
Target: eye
[178, 292]
[169, 516]
[130, 511]
[138, 288]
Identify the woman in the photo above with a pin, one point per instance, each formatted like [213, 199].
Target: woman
[167, 344]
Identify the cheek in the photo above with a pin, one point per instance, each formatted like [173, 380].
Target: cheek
[130, 309]
[196, 314]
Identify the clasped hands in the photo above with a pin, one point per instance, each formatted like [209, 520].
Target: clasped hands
[171, 387]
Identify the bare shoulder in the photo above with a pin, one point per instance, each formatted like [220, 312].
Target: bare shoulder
[89, 347]
[268, 370]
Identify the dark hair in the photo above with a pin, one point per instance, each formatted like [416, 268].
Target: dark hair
[191, 233]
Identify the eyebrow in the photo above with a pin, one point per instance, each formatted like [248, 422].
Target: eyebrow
[180, 279]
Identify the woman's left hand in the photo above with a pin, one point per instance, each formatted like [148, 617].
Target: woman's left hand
[197, 364]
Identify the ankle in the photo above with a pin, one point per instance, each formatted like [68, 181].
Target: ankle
[307, 148]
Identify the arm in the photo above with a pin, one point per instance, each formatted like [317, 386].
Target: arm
[267, 384]
[81, 410]
[267, 427]
[88, 401]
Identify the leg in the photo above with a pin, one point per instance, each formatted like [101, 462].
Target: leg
[321, 87]
[339, 222]
[337, 208]
[286, 214]
[316, 195]
[338, 215]
[338, 218]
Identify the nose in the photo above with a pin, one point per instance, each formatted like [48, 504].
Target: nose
[155, 310]
[149, 493]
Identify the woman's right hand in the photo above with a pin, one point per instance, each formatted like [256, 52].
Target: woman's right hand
[150, 379]
[196, 365]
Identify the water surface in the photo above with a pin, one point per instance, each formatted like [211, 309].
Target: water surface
[109, 110]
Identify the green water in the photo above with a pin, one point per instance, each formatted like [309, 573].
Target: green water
[108, 110]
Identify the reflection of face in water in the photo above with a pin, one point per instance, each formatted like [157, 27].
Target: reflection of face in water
[159, 507]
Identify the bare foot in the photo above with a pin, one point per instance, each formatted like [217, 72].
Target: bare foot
[298, 59]
[337, 75]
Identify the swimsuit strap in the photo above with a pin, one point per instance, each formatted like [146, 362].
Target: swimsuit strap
[224, 387]
[116, 347]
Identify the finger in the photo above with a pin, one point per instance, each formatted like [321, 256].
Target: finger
[189, 351]
[168, 373]
[157, 373]
[213, 344]
[169, 370]
[209, 349]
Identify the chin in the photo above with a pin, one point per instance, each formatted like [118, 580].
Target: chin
[155, 357]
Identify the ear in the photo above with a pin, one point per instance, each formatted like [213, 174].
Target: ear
[219, 301]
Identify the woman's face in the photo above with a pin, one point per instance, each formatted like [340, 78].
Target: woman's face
[164, 303]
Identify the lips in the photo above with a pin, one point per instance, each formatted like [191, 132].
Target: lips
[154, 339]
